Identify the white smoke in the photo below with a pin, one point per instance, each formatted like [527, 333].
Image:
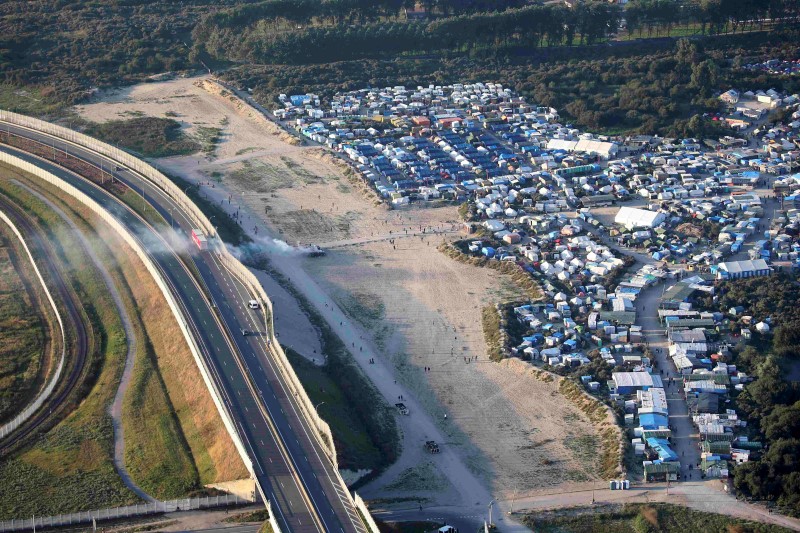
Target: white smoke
[270, 246]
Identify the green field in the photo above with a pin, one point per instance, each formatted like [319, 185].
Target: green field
[149, 136]
[23, 334]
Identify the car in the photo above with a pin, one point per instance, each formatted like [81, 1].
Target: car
[245, 332]
[253, 304]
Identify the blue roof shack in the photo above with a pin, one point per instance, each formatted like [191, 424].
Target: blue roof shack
[300, 99]
[653, 420]
[662, 448]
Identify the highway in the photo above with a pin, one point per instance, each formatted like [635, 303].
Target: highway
[291, 469]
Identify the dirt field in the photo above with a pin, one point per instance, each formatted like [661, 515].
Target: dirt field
[410, 304]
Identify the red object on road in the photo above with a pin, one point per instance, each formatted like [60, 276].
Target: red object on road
[199, 239]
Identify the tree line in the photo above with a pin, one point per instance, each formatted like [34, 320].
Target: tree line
[268, 32]
[530, 26]
[770, 403]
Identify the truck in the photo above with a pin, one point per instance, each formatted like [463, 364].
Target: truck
[199, 239]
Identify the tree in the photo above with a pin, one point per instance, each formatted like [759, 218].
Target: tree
[704, 77]
[782, 423]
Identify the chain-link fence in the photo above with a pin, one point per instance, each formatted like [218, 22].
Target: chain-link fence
[118, 513]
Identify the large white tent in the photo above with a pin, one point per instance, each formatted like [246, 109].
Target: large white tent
[632, 217]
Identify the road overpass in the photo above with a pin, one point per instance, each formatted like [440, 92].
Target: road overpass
[289, 463]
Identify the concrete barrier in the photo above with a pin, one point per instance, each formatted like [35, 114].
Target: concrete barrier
[368, 520]
[48, 390]
[160, 280]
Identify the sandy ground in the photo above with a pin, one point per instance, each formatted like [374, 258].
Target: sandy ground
[391, 297]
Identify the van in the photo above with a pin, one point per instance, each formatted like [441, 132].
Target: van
[253, 304]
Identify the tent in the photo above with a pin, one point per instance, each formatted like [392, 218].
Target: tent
[632, 217]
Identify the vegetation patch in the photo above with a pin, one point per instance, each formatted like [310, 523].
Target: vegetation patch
[208, 138]
[261, 515]
[422, 477]
[148, 136]
[364, 307]
[641, 518]
[408, 527]
[611, 444]
[493, 333]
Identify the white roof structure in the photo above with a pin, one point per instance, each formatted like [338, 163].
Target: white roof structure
[632, 217]
[636, 379]
[652, 401]
[601, 148]
[561, 144]
[742, 269]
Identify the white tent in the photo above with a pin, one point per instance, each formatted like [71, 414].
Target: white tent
[632, 217]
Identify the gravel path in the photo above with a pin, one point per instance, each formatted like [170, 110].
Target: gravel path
[116, 408]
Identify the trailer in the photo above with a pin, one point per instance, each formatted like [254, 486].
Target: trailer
[199, 239]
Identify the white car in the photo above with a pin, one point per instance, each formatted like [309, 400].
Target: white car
[253, 304]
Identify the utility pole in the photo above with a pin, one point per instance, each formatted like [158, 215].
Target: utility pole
[514, 497]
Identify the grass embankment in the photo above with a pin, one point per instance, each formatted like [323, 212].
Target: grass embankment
[493, 333]
[26, 329]
[354, 447]
[170, 367]
[611, 447]
[175, 440]
[70, 467]
[641, 518]
[521, 278]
